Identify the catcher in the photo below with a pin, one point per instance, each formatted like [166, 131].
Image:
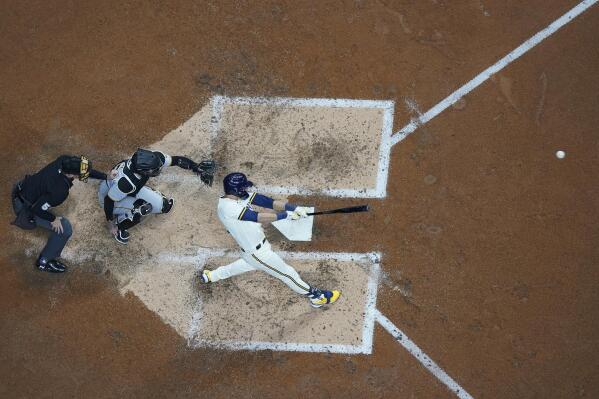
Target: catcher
[125, 196]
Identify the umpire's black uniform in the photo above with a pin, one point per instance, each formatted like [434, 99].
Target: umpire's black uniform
[33, 197]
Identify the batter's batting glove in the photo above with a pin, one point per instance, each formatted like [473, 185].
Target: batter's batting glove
[205, 170]
[302, 211]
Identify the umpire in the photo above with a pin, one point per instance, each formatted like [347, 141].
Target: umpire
[33, 197]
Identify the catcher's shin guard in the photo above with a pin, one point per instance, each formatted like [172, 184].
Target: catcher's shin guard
[141, 208]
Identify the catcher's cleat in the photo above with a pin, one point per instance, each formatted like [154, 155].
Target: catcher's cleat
[319, 298]
[143, 209]
[167, 204]
[205, 278]
[52, 266]
[122, 236]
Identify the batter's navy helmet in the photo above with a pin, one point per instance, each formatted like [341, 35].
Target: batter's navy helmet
[236, 184]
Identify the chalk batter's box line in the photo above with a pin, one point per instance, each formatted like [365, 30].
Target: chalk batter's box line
[279, 346]
[369, 307]
[388, 107]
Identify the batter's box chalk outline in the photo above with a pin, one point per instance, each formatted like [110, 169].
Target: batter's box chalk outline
[370, 312]
[388, 107]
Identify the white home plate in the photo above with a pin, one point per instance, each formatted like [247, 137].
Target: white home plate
[296, 230]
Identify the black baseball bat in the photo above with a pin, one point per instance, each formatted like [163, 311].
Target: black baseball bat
[350, 209]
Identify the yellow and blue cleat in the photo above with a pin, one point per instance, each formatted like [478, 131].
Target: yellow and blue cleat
[319, 298]
[205, 277]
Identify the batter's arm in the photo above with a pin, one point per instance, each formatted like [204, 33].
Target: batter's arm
[268, 217]
[261, 217]
[264, 201]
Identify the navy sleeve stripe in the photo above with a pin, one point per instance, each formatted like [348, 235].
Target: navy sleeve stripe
[262, 201]
[248, 215]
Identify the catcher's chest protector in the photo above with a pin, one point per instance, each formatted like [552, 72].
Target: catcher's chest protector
[126, 181]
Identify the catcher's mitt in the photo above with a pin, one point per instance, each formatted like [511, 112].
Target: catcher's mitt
[206, 170]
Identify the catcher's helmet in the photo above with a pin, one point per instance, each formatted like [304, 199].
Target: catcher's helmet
[236, 184]
[146, 163]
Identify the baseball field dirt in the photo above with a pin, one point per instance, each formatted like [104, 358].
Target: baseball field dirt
[474, 274]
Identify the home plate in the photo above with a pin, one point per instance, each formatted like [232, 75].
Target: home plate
[296, 230]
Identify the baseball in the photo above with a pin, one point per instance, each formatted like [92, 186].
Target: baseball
[560, 154]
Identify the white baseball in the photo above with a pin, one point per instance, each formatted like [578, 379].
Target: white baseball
[560, 154]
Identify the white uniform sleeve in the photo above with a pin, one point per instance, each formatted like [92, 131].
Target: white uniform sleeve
[168, 160]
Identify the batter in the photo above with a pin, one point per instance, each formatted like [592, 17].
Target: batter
[243, 222]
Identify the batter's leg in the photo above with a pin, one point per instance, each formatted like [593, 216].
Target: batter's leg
[272, 264]
[238, 267]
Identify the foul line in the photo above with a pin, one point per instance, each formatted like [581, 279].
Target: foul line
[487, 73]
[426, 361]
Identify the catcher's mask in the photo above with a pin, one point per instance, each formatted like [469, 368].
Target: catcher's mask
[80, 166]
[146, 163]
[236, 184]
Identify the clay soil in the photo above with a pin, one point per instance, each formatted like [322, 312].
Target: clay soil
[489, 242]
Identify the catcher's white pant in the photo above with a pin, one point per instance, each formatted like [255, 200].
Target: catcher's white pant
[123, 208]
[266, 260]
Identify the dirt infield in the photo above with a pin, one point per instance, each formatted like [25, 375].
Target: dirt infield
[487, 240]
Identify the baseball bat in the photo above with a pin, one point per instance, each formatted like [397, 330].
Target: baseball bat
[350, 209]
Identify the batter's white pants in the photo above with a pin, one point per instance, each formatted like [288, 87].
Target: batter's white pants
[123, 209]
[266, 260]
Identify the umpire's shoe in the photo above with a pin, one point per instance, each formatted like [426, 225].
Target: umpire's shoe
[319, 298]
[52, 266]
[122, 236]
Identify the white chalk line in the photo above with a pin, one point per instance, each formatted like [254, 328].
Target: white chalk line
[422, 357]
[487, 73]
[387, 106]
[282, 346]
[305, 102]
[385, 152]
[370, 311]
[373, 258]
[371, 314]
[281, 190]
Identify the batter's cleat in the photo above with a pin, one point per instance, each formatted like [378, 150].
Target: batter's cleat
[51, 266]
[319, 298]
[206, 277]
[122, 236]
